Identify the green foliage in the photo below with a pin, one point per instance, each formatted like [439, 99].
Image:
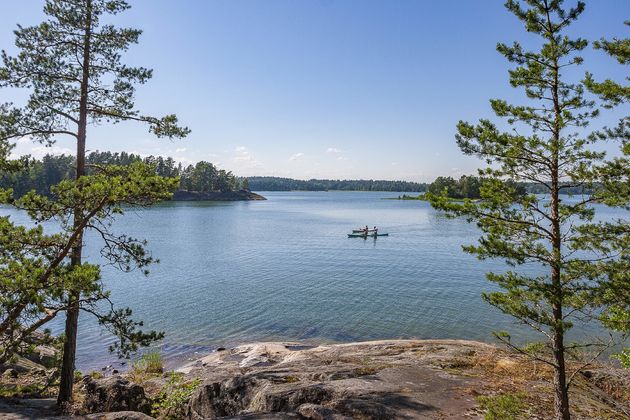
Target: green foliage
[171, 402]
[51, 64]
[77, 376]
[464, 187]
[617, 188]
[96, 375]
[19, 390]
[584, 264]
[71, 65]
[624, 358]
[35, 275]
[271, 183]
[503, 407]
[150, 362]
[612, 92]
[41, 175]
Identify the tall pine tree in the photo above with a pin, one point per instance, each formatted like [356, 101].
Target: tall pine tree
[71, 63]
[583, 264]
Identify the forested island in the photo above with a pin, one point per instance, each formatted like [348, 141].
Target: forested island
[202, 181]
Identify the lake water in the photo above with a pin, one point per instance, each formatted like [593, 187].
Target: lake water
[284, 269]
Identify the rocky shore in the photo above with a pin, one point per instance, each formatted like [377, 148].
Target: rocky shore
[391, 379]
[241, 195]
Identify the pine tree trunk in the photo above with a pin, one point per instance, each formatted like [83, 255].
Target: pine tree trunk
[72, 314]
[69, 352]
[561, 400]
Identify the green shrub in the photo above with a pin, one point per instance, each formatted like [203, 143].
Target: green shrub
[150, 362]
[503, 407]
[146, 367]
[171, 402]
[16, 390]
[624, 358]
[77, 376]
[96, 375]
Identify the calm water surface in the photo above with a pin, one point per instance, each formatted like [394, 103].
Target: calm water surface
[284, 269]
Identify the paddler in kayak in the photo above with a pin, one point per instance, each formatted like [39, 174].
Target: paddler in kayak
[367, 229]
[375, 231]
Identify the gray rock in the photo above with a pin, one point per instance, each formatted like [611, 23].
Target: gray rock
[317, 412]
[43, 355]
[264, 416]
[10, 373]
[114, 394]
[119, 415]
[373, 380]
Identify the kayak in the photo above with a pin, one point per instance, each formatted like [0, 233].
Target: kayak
[361, 230]
[363, 235]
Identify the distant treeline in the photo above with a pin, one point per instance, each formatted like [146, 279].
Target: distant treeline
[40, 175]
[272, 183]
[467, 186]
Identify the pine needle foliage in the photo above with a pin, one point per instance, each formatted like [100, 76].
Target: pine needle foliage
[583, 262]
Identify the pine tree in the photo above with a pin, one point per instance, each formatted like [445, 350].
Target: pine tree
[583, 264]
[72, 66]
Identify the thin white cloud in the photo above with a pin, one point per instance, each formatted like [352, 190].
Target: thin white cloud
[242, 154]
[296, 156]
[342, 158]
[38, 151]
[333, 150]
[180, 149]
[244, 159]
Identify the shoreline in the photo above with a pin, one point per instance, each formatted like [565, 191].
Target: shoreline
[388, 378]
[241, 195]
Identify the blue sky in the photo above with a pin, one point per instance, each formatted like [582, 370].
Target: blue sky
[321, 88]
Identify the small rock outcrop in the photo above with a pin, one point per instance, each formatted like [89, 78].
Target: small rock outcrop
[10, 373]
[114, 394]
[43, 355]
[373, 380]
